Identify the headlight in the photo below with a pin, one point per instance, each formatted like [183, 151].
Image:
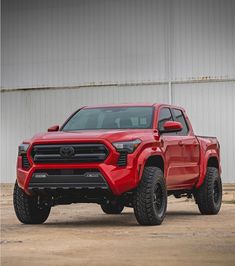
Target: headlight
[127, 146]
[23, 148]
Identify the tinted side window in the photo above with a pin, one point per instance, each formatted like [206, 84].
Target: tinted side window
[165, 115]
[179, 117]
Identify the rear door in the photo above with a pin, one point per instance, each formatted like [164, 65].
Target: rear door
[190, 150]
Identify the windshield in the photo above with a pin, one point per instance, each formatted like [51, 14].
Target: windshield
[110, 118]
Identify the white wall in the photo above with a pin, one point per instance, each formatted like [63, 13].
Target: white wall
[56, 43]
[211, 109]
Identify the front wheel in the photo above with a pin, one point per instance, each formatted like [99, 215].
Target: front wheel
[27, 209]
[112, 207]
[209, 195]
[150, 199]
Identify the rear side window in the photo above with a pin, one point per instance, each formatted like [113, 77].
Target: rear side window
[179, 117]
[165, 115]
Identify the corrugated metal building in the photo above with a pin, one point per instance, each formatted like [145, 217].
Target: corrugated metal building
[60, 54]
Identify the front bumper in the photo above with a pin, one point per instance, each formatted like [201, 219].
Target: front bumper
[117, 179]
[66, 179]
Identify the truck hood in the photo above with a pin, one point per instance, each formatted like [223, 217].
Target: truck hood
[92, 135]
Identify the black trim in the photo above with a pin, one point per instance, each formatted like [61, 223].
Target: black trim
[67, 120]
[25, 162]
[67, 178]
[206, 137]
[185, 120]
[122, 160]
[82, 152]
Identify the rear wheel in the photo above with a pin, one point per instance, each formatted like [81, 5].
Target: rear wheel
[150, 200]
[27, 209]
[112, 207]
[209, 195]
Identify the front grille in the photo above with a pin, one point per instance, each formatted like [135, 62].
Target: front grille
[67, 178]
[25, 162]
[69, 153]
[122, 160]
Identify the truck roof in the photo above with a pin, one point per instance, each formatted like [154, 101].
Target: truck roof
[121, 105]
[133, 105]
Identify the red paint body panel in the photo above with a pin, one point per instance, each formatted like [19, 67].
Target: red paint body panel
[185, 157]
[209, 147]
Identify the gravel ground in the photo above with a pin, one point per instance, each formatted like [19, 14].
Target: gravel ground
[80, 234]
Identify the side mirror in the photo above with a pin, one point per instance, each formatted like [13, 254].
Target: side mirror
[172, 126]
[53, 128]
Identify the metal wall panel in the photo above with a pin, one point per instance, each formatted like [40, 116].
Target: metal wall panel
[210, 107]
[68, 43]
[25, 113]
[202, 36]
[58, 43]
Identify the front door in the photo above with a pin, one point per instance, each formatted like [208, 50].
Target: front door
[172, 150]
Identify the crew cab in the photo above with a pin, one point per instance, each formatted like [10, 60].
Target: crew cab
[132, 155]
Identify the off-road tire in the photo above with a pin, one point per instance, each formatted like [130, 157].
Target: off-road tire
[209, 195]
[150, 199]
[113, 207]
[26, 208]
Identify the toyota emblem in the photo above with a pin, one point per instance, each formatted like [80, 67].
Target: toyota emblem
[67, 151]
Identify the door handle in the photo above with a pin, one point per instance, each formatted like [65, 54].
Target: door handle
[195, 143]
[180, 143]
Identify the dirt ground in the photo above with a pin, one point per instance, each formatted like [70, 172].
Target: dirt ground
[80, 234]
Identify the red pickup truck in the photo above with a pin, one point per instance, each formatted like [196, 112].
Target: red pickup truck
[117, 156]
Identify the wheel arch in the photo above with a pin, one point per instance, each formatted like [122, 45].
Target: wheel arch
[213, 162]
[155, 160]
[211, 159]
[149, 157]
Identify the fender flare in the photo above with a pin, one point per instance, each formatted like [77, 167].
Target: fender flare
[144, 156]
[203, 165]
